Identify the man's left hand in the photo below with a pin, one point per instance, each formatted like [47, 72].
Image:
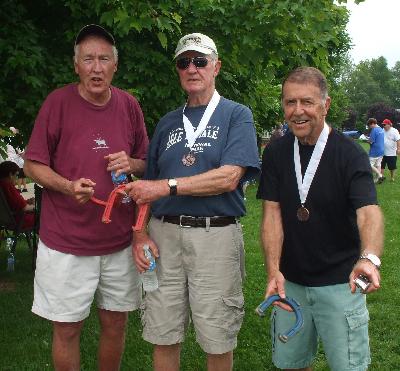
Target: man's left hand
[367, 269]
[119, 162]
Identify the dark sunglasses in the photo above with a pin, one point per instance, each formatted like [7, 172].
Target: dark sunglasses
[199, 62]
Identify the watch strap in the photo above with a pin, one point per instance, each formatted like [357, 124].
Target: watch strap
[173, 190]
[372, 258]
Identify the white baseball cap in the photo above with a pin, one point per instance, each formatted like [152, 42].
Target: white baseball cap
[197, 42]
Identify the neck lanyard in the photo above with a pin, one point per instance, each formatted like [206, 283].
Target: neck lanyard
[191, 134]
[304, 184]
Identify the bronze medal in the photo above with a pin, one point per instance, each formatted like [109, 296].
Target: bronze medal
[303, 214]
[189, 159]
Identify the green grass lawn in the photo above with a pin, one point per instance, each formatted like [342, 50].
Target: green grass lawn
[25, 339]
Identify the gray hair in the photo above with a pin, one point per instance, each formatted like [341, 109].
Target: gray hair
[76, 52]
[213, 56]
[309, 75]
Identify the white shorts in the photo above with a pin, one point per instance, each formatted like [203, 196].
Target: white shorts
[65, 284]
[376, 161]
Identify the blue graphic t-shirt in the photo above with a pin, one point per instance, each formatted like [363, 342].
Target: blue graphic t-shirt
[229, 139]
[377, 139]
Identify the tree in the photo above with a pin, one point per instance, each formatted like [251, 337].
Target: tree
[381, 111]
[371, 86]
[259, 41]
[395, 85]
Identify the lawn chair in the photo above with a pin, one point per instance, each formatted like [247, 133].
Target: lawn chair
[38, 204]
[10, 227]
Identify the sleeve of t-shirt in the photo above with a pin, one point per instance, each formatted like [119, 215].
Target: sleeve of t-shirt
[241, 146]
[362, 191]
[396, 135]
[141, 139]
[372, 137]
[268, 188]
[44, 137]
[152, 170]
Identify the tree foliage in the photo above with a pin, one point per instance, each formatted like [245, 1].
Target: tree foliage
[381, 111]
[373, 90]
[259, 41]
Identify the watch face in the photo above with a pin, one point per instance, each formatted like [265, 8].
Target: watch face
[172, 182]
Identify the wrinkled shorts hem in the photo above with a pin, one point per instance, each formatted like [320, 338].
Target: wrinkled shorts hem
[294, 365]
[213, 348]
[125, 308]
[159, 340]
[67, 318]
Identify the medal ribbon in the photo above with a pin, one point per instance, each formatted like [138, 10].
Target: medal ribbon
[304, 184]
[191, 135]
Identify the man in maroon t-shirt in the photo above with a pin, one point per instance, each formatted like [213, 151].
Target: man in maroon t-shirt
[83, 132]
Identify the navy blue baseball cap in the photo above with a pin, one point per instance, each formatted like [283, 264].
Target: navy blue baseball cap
[94, 29]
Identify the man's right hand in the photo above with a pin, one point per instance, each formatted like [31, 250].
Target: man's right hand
[139, 240]
[81, 190]
[276, 285]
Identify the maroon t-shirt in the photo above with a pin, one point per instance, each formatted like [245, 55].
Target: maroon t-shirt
[17, 203]
[72, 136]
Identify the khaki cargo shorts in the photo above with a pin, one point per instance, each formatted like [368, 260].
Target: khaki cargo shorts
[200, 275]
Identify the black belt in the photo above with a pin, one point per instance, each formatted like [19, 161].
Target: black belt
[199, 221]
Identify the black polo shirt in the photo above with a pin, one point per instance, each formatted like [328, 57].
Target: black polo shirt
[322, 250]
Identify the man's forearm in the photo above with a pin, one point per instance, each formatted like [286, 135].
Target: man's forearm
[137, 167]
[47, 177]
[212, 182]
[370, 226]
[272, 236]
[209, 183]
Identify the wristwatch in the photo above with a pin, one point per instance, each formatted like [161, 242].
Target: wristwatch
[172, 183]
[373, 259]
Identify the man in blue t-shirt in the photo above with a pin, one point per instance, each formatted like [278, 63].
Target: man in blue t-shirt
[377, 149]
[199, 157]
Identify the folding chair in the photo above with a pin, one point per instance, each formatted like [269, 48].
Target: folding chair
[38, 204]
[12, 228]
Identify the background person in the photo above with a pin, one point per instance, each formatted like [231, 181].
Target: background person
[376, 150]
[8, 176]
[276, 133]
[82, 132]
[392, 148]
[321, 228]
[198, 158]
[17, 156]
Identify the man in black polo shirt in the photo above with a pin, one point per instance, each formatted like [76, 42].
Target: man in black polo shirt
[321, 229]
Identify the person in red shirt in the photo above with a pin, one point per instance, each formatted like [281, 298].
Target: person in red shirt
[8, 175]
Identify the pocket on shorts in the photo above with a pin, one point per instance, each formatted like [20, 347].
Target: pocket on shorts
[359, 353]
[43, 259]
[234, 312]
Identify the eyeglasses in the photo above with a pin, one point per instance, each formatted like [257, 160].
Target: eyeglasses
[184, 63]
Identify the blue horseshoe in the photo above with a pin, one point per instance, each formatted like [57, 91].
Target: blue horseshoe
[260, 310]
